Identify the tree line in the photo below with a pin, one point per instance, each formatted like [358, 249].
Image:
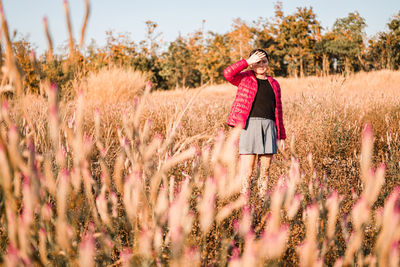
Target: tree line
[297, 44]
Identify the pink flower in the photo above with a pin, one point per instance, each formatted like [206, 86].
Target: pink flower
[102, 206]
[126, 255]
[87, 250]
[46, 212]
[294, 206]
[332, 204]
[145, 241]
[273, 244]
[12, 256]
[360, 213]
[207, 205]
[191, 256]
[366, 152]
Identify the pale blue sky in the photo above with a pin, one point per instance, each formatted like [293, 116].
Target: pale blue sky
[175, 16]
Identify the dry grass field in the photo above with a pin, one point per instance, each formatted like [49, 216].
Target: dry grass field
[122, 175]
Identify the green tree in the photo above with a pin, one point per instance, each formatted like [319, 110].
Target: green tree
[377, 53]
[178, 65]
[348, 44]
[393, 42]
[148, 59]
[322, 54]
[384, 47]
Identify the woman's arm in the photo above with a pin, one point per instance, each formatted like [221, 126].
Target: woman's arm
[233, 73]
[282, 132]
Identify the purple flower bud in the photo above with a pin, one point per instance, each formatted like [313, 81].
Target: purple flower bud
[53, 87]
[367, 131]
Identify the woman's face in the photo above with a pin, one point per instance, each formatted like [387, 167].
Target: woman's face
[261, 66]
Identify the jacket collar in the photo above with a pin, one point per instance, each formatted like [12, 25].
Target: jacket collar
[253, 77]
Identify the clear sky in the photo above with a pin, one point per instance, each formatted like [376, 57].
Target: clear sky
[175, 17]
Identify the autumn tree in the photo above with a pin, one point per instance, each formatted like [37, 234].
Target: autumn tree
[197, 50]
[297, 37]
[241, 39]
[217, 57]
[22, 49]
[119, 50]
[266, 32]
[148, 59]
[151, 44]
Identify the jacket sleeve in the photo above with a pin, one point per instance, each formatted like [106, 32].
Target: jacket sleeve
[233, 73]
[282, 132]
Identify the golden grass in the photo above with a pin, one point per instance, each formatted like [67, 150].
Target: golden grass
[114, 178]
[112, 85]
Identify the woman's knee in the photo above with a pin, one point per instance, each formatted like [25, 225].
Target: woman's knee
[246, 170]
[246, 165]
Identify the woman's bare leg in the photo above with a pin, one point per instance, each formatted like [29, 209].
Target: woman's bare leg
[265, 163]
[246, 164]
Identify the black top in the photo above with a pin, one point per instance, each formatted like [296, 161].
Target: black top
[264, 103]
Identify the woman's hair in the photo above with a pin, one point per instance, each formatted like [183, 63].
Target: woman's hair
[259, 50]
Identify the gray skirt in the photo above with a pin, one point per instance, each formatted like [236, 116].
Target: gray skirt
[258, 137]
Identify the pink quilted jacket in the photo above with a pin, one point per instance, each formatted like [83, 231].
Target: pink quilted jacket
[247, 89]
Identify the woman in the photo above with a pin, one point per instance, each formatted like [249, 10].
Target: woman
[257, 109]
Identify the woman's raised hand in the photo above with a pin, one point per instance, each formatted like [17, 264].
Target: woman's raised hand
[254, 58]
